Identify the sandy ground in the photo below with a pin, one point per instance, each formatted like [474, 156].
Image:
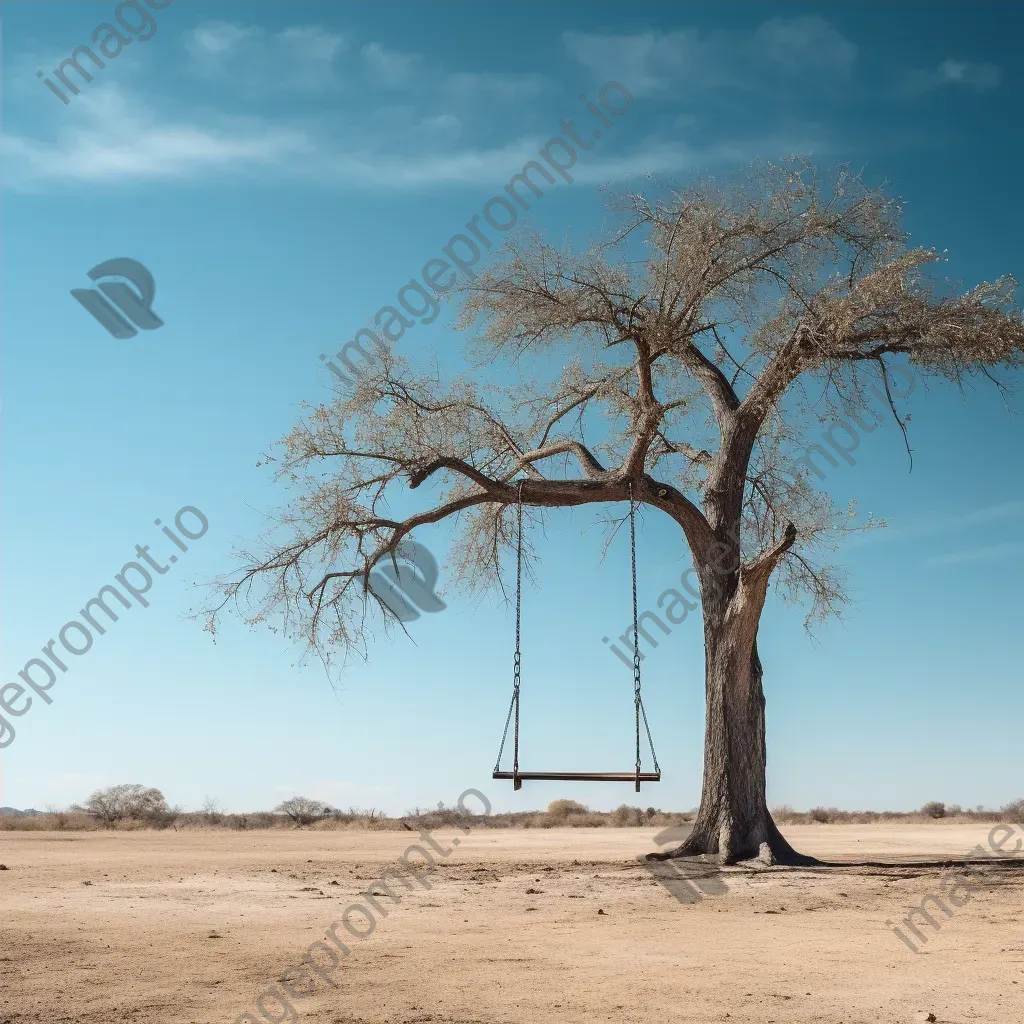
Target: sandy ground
[194, 926]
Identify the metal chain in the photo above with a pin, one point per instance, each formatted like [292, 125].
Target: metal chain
[636, 626]
[514, 706]
[519, 608]
[640, 712]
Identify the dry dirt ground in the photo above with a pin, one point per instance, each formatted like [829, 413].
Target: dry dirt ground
[193, 926]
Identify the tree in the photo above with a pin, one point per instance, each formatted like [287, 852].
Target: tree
[304, 811]
[212, 811]
[130, 802]
[693, 345]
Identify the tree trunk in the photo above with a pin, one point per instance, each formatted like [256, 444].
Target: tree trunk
[733, 820]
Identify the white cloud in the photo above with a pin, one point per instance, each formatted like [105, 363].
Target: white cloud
[653, 62]
[301, 58]
[419, 139]
[932, 526]
[305, 59]
[493, 86]
[808, 43]
[214, 38]
[963, 73]
[980, 553]
[646, 63]
[390, 68]
[112, 138]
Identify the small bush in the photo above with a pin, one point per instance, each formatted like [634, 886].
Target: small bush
[130, 802]
[625, 816]
[591, 819]
[212, 812]
[563, 808]
[261, 819]
[934, 809]
[1014, 811]
[304, 811]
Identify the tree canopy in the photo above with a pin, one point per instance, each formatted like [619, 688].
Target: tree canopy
[682, 355]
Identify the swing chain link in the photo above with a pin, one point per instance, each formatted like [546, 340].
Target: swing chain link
[640, 711]
[517, 659]
[517, 662]
[636, 626]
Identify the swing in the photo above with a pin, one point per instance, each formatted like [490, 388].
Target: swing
[636, 776]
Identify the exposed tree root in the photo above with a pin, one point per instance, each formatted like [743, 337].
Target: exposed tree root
[775, 850]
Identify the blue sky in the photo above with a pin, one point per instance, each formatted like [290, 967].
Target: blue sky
[282, 169]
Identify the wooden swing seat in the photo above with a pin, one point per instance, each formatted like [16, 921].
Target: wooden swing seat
[634, 777]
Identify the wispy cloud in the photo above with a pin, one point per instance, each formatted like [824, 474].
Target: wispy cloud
[506, 88]
[114, 138]
[301, 58]
[390, 119]
[391, 68]
[252, 60]
[937, 526]
[655, 62]
[982, 552]
[956, 73]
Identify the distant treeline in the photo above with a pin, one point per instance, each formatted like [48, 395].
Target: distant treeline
[132, 807]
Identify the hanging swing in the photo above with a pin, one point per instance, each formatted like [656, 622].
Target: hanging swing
[636, 776]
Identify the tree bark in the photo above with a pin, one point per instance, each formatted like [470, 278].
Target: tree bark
[733, 820]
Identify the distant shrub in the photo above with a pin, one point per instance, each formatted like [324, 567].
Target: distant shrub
[74, 819]
[212, 812]
[934, 809]
[261, 819]
[563, 808]
[1014, 811]
[131, 803]
[830, 815]
[304, 811]
[624, 816]
[591, 819]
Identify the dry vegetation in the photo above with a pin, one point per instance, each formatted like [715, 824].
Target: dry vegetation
[559, 814]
